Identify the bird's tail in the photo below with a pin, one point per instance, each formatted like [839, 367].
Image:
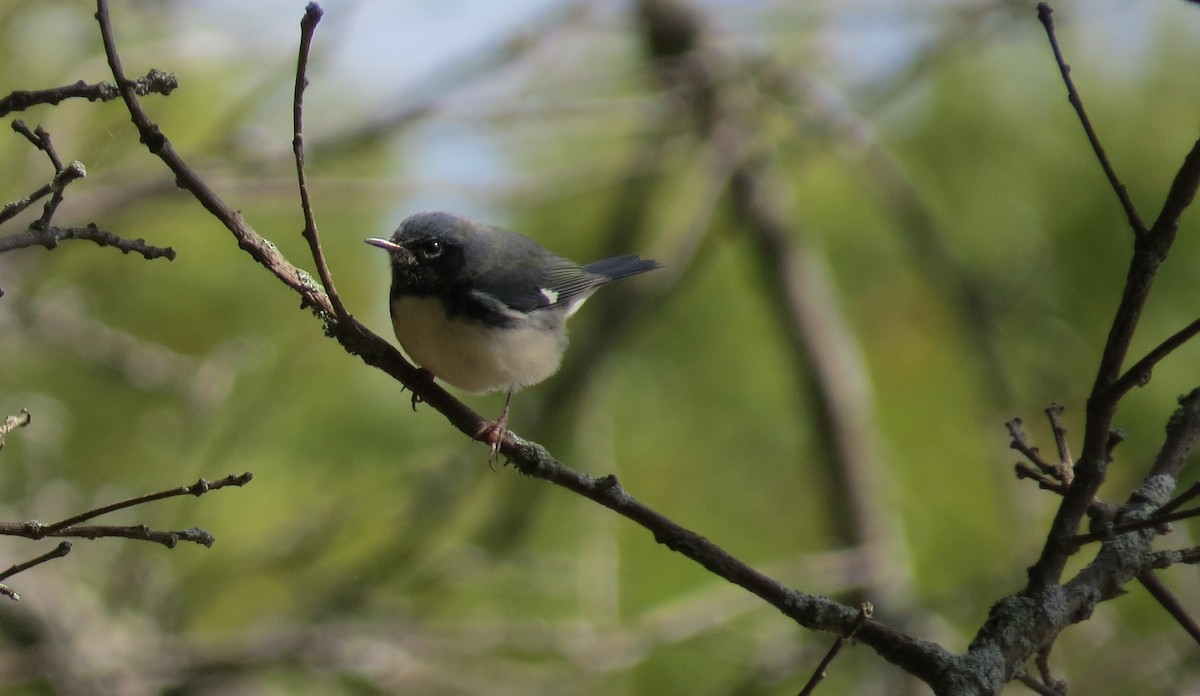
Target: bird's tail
[622, 266]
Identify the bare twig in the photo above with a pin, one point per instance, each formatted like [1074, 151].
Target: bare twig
[138, 532]
[1126, 527]
[1171, 603]
[73, 527]
[50, 236]
[1165, 559]
[1045, 481]
[197, 489]
[308, 26]
[1184, 497]
[12, 423]
[59, 551]
[41, 140]
[1045, 16]
[54, 188]
[155, 82]
[1065, 462]
[864, 614]
[1139, 374]
[1020, 442]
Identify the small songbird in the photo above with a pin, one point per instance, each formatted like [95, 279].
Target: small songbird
[485, 309]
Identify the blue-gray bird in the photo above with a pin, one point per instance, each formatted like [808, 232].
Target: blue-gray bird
[485, 309]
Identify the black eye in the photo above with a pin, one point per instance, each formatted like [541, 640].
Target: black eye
[429, 249]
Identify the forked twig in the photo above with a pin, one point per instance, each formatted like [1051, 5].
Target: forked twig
[308, 26]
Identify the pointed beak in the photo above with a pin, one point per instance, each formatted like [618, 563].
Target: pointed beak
[384, 244]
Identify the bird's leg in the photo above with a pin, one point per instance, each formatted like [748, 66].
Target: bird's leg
[423, 379]
[493, 432]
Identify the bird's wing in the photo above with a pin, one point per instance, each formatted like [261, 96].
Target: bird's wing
[557, 281]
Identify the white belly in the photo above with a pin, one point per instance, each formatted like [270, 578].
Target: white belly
[471, 355]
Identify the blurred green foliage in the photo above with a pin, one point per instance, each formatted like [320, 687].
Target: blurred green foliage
[376, 553]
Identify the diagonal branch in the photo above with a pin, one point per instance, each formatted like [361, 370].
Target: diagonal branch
[1139, 374]
[1045, 16]
[197, 489]
[63, 548]
[925, 660]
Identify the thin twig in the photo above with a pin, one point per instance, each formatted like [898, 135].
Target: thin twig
[50, 236]
[155, 81]
[62, 175]
[59, 551]
[1045, 481]
[41, 140]
[54, 187]
[1171, 603]
[1045, 16]
[308, 26]
[198, 488]
[138, 532]
[1020, 442]
[1165, 559]
[1126, 527]
[1139, 375]
[1184, 497]
[1065, 462]
[864, 613]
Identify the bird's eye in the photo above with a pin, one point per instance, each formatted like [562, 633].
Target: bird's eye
[430, 249]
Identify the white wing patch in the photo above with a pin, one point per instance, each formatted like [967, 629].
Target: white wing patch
[550, 295]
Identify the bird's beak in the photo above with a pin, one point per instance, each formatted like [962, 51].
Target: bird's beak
[384, 244]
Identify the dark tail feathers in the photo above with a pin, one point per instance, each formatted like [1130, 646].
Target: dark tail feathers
[620, 266]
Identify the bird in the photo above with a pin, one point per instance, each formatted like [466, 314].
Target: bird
[483, 308]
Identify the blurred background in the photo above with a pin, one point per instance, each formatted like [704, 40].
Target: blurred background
[884, 233]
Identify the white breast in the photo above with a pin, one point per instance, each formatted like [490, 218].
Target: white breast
[471, 355]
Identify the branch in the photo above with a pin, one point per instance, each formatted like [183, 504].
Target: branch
[921, 658]
[925, 660]
[1045, 16]
[155, 82]
[308, 26]
[1139, 374]
[62, 177]
[50, 236]
[1150, 250]
[71, 527]
[1020, 442]
[138, 532]
[1171, 603]
[197, 489]
[59, 551]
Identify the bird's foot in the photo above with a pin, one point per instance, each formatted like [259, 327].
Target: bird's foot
[493, 433]
[422, 379]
